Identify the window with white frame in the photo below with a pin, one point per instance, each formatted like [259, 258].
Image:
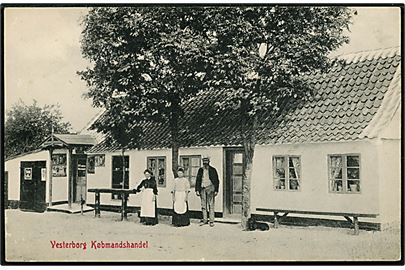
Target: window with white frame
[157, 165]
[190, 164]
[287, 173]
[344, 173]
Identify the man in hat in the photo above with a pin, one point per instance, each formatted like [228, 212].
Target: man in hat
[207, 185]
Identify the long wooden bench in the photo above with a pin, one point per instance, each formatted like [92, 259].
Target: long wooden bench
[124, 199]
[354, 221]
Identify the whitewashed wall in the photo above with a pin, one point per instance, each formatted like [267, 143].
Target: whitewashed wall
[137, 164]
[380, 178]
[314, 193]
[389, 155]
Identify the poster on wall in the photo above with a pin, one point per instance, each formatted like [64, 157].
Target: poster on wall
[59, 165]
[90, 165]
[99, 160]
[28, 173]
[43, 174]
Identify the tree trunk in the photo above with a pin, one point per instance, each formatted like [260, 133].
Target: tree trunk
[174, 132]
[249, 141]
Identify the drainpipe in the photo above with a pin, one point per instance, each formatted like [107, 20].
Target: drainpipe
[50, 176]
[50, 164]
[69, 177]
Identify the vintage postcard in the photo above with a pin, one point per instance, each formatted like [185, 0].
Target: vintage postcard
[202, 133]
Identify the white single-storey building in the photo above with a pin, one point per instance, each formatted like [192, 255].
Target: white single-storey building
[339, 153]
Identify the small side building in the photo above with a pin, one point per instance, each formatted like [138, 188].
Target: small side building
[55, 174]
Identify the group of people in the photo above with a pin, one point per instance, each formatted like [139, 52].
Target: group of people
[207, 185]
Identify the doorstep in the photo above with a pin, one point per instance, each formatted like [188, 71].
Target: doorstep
[229, 220]
[74, 209]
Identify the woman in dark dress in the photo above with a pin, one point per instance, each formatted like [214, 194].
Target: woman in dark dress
[180, 200]
[149, 190]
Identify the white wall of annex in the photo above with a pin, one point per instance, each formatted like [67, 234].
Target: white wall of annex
[314, 193]
[137, 164]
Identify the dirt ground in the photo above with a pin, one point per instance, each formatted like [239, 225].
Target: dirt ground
[29, 236]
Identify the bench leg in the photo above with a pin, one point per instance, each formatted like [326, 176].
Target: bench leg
[279, 219]
[124, 206]
[348, 219]
[356, 225]
[276, 220]
[97, 205]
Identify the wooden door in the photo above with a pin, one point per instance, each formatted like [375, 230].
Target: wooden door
[233, 181]
[32, 185]
[80, 179]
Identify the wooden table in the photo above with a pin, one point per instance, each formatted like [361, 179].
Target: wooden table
[124, 199]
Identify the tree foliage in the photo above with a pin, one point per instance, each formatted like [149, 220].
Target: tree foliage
[293, 40]
[27, 126]
[146, 62]
[260, 58]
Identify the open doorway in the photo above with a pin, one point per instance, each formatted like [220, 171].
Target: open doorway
[233, 182]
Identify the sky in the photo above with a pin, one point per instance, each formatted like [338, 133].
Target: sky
[42, 55]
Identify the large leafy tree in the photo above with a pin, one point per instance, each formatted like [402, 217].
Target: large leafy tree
[145, 63]
[27, 126]
[260, 59]
[148, 61]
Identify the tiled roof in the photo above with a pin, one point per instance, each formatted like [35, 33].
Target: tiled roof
[346, 101]
[69, 139]
[76, 139]
[61, 140]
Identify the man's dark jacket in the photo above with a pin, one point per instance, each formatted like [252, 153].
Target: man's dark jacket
[213, 175]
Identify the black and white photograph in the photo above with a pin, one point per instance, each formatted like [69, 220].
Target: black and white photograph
[186, 133]
[99, 160]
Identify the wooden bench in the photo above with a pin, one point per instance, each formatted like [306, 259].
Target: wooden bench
[354, 221]
[124, 199]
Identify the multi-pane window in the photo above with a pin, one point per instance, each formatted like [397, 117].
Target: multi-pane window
[157, 165]
[190, 164]
[287, 172]
[344, 173]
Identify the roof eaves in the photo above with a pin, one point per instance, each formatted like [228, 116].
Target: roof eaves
[24, 154]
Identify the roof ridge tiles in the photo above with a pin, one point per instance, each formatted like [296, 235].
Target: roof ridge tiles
[370, 55]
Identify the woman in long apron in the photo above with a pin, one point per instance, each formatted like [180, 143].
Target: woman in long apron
[149, 190]
[180, 200]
